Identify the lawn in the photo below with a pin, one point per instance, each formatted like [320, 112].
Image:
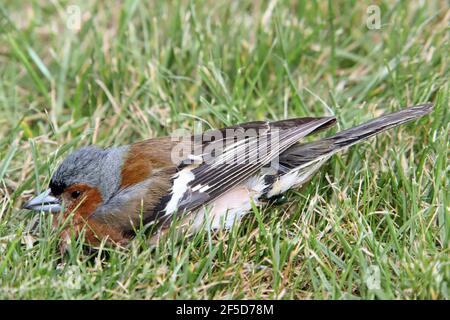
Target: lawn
[372, 224]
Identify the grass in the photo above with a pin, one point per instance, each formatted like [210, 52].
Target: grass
[372, 224]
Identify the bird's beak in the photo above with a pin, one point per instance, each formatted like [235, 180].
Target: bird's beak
[44, 202]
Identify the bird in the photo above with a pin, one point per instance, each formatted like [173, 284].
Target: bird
[204, 180]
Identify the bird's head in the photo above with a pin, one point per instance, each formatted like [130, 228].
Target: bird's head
[85, 180]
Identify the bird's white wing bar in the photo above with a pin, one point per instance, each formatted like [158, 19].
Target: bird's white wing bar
[179, 188]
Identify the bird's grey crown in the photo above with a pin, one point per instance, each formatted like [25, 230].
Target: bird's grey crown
[94, 166]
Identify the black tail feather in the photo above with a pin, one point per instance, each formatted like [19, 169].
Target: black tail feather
[380, 124]
[301, 154]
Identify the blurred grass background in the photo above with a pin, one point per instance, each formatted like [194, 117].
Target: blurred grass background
[374, 223]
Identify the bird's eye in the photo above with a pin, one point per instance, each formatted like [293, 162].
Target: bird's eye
[75, 194]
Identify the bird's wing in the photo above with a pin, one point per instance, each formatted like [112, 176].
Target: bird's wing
[230, 156]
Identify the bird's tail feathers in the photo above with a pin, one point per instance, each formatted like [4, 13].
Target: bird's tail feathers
[302, 154]
[364, 131]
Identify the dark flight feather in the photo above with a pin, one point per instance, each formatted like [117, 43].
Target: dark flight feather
[219, 175]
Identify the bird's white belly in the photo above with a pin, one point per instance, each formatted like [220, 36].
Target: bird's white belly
[295, 178]
[230, 207]
[234, 204]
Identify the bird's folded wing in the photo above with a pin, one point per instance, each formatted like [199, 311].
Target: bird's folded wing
[231, 157]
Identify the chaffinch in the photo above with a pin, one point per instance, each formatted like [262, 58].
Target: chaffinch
[209, 180]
